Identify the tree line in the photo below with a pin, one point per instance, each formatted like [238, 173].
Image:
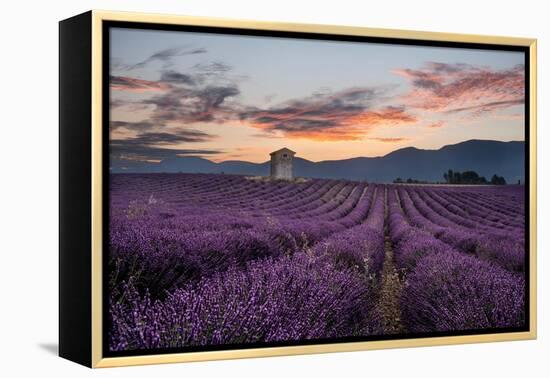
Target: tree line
[458, 178]
[471, 178]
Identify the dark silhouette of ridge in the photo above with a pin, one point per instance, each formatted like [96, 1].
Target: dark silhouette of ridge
[486, 157]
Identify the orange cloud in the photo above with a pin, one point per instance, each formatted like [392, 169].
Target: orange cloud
[345, 115]
[390, 115]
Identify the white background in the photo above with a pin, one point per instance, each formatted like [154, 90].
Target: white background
[29, 189]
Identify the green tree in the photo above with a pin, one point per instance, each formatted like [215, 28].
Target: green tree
[464, 178]
[498, 180]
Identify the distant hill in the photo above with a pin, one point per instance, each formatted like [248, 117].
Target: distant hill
[486, 157]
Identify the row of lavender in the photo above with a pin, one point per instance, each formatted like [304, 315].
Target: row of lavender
[215, 259]
[448, 287]
[279, 281]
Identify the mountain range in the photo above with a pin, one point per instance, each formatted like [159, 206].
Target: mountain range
[486, 157]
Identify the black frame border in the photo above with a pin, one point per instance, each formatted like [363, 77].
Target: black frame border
[75, 183]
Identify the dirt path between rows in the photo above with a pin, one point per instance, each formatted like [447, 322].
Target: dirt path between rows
[391, 285]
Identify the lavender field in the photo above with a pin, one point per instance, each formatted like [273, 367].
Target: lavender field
[213, 259]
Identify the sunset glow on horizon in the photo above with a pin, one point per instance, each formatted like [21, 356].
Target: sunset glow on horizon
[231, 97]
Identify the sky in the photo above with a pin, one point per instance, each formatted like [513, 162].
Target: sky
[231, 97]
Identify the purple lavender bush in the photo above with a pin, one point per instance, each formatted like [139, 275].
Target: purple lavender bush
[160, 259]
[285, 299]
[360, 248]
[202, 259]
[414, 245]
[453, 291]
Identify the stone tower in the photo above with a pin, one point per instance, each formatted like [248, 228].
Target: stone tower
[281, 164]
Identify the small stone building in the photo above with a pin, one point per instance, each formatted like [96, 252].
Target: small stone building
[281, 164]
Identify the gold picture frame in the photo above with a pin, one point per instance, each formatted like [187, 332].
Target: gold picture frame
[95, 20]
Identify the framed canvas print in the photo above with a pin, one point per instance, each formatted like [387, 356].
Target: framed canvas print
[235, 189]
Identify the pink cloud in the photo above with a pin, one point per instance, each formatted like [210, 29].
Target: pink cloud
[454, 88]
[130, 84]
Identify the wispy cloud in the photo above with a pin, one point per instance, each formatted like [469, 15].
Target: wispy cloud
[130, 84]
[136, 126]
[191, 105]
[174, 77]
[455, 88]
[165, 138]
[345, 115]
[199, 95]
[215, 73]
[486, 107]
[120, 150]
[155, 146]
[166, 55]
[390, 140]
[212, 68]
